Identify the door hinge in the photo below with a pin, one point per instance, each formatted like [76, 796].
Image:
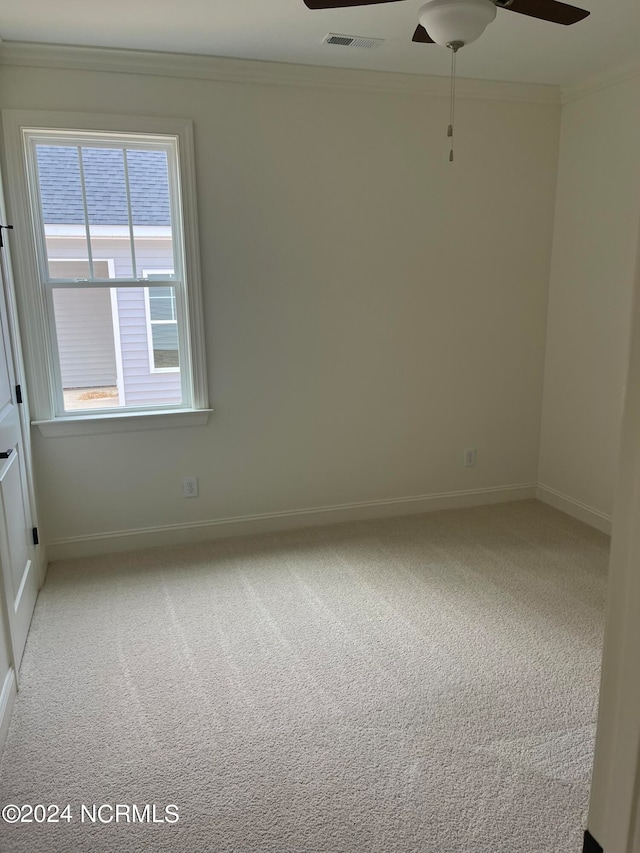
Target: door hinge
[18, 394]
[36, 541]
[6, 228]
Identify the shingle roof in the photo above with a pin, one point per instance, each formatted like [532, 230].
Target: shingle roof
[104, 177]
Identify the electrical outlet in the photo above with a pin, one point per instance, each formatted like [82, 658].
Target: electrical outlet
[190, 487]
[469, 457]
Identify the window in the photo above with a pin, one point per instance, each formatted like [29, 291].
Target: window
[115, 263]
[162, 327]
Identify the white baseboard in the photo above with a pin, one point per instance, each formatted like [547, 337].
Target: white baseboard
[7, 701]
[201, 531]
[599, 520]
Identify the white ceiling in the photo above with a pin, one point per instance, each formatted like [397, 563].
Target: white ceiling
[514, 48]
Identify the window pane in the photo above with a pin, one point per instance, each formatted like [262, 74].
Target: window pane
[86, 346]
[70, 268]
[150, 209]
[165, 345]
[162, 304]
[161, 309]
[104, 346]
[159, 292]
[108, 173]
[107, 209]
[62, 207]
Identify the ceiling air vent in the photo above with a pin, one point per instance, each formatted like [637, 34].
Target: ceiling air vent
[352, 41]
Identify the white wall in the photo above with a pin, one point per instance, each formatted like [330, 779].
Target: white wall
[370, 309]
[595, 236]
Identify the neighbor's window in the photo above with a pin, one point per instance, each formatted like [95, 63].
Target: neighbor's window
[110, 246]
[162, 324]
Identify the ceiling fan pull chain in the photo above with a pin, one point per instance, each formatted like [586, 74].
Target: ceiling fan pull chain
[453, 47]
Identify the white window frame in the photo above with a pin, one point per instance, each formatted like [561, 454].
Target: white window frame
[42, 369]
[147, 313]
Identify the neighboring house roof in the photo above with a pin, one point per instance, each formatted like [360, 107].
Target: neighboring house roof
[104, 177]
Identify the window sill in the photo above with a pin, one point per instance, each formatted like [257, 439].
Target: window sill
[132, 421]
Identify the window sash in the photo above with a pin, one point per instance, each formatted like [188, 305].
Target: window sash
[184, 368]
[118, 141]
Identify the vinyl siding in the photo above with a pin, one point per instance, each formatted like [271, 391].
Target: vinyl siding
[141, 386]
[85, 338]
[151, 253]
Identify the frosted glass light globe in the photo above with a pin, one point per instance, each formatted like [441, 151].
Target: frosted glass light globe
[463, 21]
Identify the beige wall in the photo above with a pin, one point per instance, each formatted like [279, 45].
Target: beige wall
[595, 236]
[370, 309]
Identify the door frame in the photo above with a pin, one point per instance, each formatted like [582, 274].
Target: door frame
[15, 344]
[614, 808]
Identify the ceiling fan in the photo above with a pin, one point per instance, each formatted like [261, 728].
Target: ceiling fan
[455, 23]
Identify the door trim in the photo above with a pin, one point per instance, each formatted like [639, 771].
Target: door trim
[7, 701]
[8, 285]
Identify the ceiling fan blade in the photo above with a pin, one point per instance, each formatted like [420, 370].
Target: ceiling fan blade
[422, 36]
[342, 4]
[547, 10]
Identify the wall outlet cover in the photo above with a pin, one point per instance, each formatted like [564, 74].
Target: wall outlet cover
[190, 487]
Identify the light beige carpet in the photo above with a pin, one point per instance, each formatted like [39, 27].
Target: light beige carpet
[426, 683]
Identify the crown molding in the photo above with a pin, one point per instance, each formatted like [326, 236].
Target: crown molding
[604, 80]
[257, 72]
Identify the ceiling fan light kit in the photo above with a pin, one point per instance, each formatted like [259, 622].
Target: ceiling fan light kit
[462, 21]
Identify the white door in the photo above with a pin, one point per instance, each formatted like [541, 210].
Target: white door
[17, 551]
